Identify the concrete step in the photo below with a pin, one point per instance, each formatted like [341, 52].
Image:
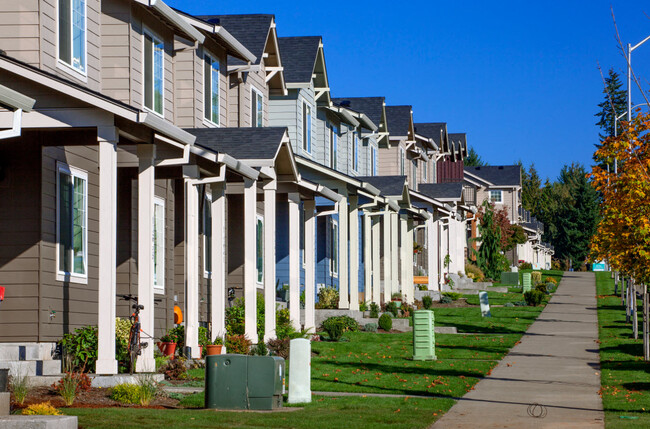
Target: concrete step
[26, 351]
[39, 422]
[32, 367]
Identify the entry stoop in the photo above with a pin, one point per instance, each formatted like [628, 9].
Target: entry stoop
[29, 359]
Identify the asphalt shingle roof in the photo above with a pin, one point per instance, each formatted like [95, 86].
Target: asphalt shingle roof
[387, 185]
[298, 57]
[251, 30]
[442, 190]
[499, 175]
[370, 106]
[433, 130]
[240, 143]
[399, 119]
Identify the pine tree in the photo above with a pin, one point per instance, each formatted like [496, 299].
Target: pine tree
[473, 159]
[490, 257]
[616, 97]
[531, 190]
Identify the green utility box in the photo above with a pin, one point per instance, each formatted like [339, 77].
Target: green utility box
[525, 278]
[424, 340]
[510, 279]
[240, 382]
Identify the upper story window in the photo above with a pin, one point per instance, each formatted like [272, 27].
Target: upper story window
[306, 127]
[257, 108]
[72, 34]
[154, 49]
[496, 197]
[402, 162]
[373, 161]
[425, 172]
[72, 223]
[355, 152]
[334, 142]
[211, 89]
[159, 245]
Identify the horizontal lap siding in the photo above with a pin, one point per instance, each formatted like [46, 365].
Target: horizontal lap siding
[20, 239]
[116, 16]
[19, 30]
[258, 80]
[283, 112]
[389, 161]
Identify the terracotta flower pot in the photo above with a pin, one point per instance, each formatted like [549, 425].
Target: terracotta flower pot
[160, 346]
[168, 349]
[214, 349]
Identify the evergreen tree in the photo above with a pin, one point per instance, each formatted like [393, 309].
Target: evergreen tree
[616, 97]
[531, 189]
[473, 159]
[490, 257]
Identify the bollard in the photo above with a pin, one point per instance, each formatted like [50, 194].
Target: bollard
[299, 371]
[485, 304]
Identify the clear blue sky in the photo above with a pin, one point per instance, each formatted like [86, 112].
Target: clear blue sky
[520, 78]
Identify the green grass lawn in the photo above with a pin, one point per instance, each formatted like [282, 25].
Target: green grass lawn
[625, 377]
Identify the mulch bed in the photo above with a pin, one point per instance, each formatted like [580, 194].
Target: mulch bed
[460, 302]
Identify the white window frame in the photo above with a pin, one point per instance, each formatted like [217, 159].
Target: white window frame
[158, 285]
[355, 151]
[64, 275]
[208, 109]
[306, 128]
[259, 278]
[500, 196]
[334, 246]
[154, 38]
[334, 142]
[254, 94]
[61, 64]
[402, 162]
[207, 240]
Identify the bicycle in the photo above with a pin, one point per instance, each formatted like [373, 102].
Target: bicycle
[134, 345]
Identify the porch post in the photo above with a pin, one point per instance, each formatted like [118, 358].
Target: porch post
[310, 264]
[344, 298]
[367, 258]
[269, 260]
[218, 275]
[388, 263]
[404, 256]
[394, 252]
[409, 287]
[376, 273]
[432, 251]
[191, 172]
[354, 251]
[250, 259]
[146, 181]
[106, 362]
[294, 259]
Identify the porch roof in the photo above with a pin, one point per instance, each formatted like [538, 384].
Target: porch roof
[252, 30]
[452, 191]
[496, 175]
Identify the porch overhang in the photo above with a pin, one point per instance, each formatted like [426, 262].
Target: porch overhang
[174, 18]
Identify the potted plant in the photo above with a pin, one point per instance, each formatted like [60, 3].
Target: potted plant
[397, 298]
[215, 347]
[167, 345]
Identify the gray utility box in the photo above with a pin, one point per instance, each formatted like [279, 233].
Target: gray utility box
[240, 382]
[510, 279]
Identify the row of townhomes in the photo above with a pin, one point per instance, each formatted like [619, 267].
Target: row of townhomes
[189, 159]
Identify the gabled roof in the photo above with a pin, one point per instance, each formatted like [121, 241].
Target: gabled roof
[461, 141]
[373, 107]
[436, 131]
[241, 143]
[299, 56]
[442, 191]
[389, 186]
[399, 120]
[497, 175]
[251, 30]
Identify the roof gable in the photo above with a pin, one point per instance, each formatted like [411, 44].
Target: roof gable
[251, 30]
[436, 131]
[497, 175]
[400, 121]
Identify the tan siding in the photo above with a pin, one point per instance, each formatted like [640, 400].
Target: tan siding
[115, 50]
[19, 30]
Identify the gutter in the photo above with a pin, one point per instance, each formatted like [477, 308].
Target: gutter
[169, 14]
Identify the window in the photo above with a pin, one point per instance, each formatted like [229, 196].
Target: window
[159, 245]
[260, 249]
[425, 172]
[334, 137]
[211, 89]
[402, 161]
[207, 236]
[373, 161]
[72, 34]
[414, 174]
[496, 197]
[257, 108]
[72, 222]
[306, 127]
[355, 152]
[334, 249]
[154, 49]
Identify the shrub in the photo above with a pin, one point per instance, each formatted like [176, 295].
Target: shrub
[122, 331]
[370, 327]
[508, 304]
[147, 389]
[204, 338]
[445, 300]
[283, 326]
[351, 325]
[525, 266]
[334, 326]
[427, 301]
[235, 317]
[422, 287]
[520, 303]
[279, 347]
[328, 297]
[80, 349]
[391, 307]
[406, 310]
[125, 393]
[386, 322]
[536, 277]
[474, 272]
[19, 387]
[534, 297]
[42, 409]
[260, 349]
[70, 385]
[177, 335]
[452, 295]
[556, 265]
[175, 369]
[541, 287]
[238, 344]
[374, 310]
[550, 288]
[550, 279]
[396, 296]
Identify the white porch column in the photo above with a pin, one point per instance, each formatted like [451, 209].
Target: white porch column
[191, 172]
[404, 255]
[344, 298]
[106, 362]
[432, 253]
[388, 257]
[294, 259]
[269, 260]
[394, 252]
[409, 287]
[376, 274]
[310, 264]
[354, 251]
[367, 258]
[250, 260]
[218, 276]
[146, 181]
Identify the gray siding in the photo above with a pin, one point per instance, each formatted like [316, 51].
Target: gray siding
[19, 30]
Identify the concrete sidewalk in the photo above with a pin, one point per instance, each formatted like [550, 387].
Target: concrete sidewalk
[555, 365]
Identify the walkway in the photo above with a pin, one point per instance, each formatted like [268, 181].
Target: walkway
[555, 365]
